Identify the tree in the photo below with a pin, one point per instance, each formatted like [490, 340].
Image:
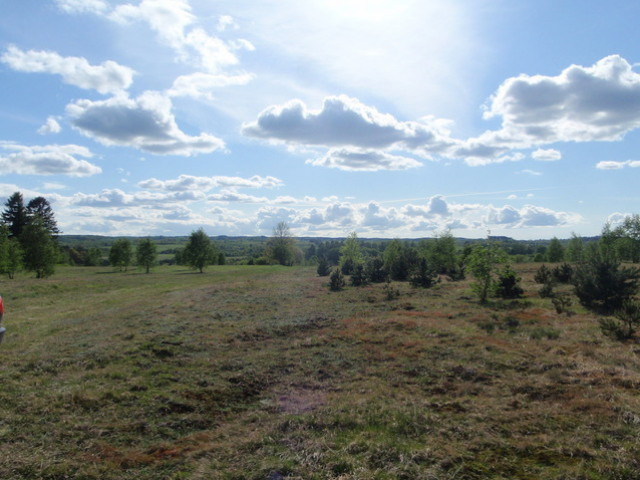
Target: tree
[441, 252]
[602, 284]
[146, 254]
[350, 254]
[630, 233]
[40, 248]
[483, 262]
[555, 251]
[120, 254]
[281, 247]
[424, 275]
[575, 249]
[323, 267]
[508, 285]
[40, 206]
[15, 214]
[336, 280]
[199, 251]
[396, 260]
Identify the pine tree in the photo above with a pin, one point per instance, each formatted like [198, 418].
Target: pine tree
[15, 214]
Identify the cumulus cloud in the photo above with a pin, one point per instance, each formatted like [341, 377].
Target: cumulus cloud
[341, 122]
[190, 182]
[354, 159]
[145, 123]
[108, 77]
[548, 155]
[118, 198]
[233, 196]
[49, 127]
[613, 165]
[46, 160]
[601, 102]
[202, 85]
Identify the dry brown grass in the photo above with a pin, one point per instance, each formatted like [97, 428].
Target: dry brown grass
[262, 373]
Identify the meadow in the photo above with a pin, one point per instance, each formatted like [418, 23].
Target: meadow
[260, 372]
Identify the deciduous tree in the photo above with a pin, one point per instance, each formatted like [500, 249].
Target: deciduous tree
[146, 254]
[120, 254]
[200, 251]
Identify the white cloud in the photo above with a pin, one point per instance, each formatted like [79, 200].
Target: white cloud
[145, 123]
[190, 182]
[83, 6]
[202, 85]
[176, 26]
[46, 160]
[51, 126]
[108, 77]
[226, 22]
[233, 196]
[533, 173]
[613, 165]
[355, 159]
[601, 102]
[108, 198]
[548, 155]
[342, 122]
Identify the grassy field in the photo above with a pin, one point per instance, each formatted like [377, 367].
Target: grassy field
[248, 372]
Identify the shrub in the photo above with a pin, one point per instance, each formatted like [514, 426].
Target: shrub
[424, 276]
[347, 266]
[603, 285]
[323, 267]
[358, 278]
[391, 293]
[561, 302]
[456, 273]
[508, 285]
[336, 280]
[543, 275]
[375, 270]
[546, 291]
[563, 273]
[623, 326]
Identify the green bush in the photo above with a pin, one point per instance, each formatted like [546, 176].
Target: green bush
[424, 276]
[543, 275]
[623, 325]
[603, 285]
[508, 285]
[336, 280]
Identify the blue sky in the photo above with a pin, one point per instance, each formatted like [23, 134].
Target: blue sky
[390, 118]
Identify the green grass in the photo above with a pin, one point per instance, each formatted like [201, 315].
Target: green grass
[248, 372]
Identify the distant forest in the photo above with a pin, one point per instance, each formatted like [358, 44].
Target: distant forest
[94, 249]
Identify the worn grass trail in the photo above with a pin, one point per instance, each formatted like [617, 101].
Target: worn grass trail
[261, 372]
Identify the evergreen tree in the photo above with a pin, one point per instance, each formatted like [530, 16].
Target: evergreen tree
[40, 206]
[15, 214]
[40, 248]
[146, 254]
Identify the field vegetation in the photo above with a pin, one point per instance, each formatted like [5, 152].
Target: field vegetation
[263, 372]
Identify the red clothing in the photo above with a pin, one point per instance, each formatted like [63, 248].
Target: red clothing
[1, 307]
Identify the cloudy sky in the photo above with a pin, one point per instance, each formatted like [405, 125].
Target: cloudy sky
[390, 118]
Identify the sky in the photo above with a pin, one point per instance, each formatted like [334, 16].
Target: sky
[388, 118]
